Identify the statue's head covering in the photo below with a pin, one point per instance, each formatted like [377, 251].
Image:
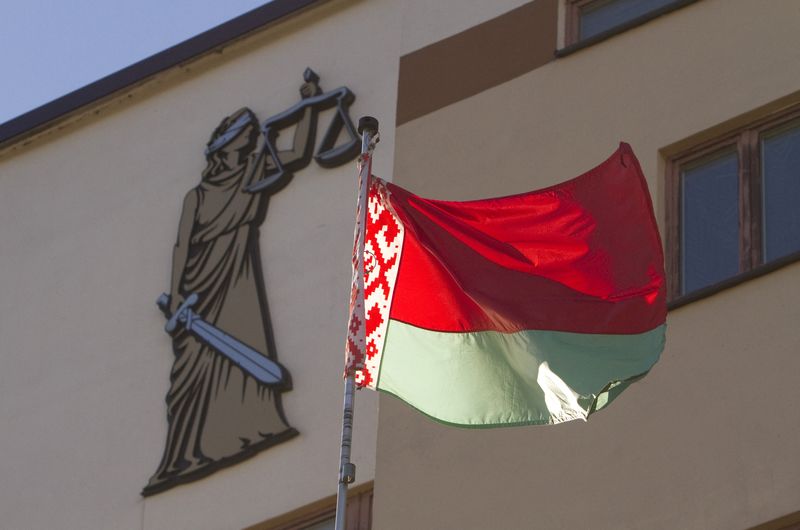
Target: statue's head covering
[229, 128]
[222, 168]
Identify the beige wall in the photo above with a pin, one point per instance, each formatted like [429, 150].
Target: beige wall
[709, 439]
[88, 218]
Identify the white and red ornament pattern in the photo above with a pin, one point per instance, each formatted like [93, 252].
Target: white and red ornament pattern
[383, 244]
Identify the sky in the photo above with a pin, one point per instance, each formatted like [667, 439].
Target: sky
[52, 47]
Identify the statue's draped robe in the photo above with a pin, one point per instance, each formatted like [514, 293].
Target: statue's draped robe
[217, 413]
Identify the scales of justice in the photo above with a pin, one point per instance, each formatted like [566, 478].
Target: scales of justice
[328, 155]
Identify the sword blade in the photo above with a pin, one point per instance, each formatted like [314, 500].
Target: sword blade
[251, 361]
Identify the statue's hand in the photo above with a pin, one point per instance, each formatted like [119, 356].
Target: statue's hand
[309, 89]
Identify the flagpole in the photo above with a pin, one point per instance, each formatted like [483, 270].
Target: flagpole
[368, 128]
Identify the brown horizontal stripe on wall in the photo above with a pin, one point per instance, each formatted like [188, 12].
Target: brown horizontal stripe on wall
[477, 59]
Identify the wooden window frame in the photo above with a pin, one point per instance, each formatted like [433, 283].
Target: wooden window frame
[572, 24]
[359, 512]
[746, 140]
[787, 522]
[573, 20]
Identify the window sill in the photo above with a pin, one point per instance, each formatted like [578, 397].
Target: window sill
[705, 292]
[600, 37]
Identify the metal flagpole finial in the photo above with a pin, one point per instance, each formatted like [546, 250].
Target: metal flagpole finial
[368, 124]
[368, 129]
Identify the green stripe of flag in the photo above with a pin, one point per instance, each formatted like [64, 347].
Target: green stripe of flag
[488, 378]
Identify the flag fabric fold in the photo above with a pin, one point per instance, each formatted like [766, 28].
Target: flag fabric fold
[535, 308]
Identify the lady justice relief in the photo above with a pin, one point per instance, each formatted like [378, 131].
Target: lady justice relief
[224, 400]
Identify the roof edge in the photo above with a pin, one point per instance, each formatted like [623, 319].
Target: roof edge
[37, 119]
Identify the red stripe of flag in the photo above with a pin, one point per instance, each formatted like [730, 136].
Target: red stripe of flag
[582, 256]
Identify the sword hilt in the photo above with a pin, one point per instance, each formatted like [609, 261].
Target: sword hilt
[181, 314]
[163, 303]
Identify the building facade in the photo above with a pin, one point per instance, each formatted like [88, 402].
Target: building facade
[703, 91]
[475, 99]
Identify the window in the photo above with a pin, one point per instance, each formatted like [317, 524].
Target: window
[593, 20]
[733, 206]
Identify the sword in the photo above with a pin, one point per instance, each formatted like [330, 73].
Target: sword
[262, 368]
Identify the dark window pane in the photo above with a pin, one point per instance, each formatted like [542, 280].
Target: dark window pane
[710, 221]
[602, 15]
[780, 170]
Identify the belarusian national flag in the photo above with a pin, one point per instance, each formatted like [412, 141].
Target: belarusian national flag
[530, 309]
